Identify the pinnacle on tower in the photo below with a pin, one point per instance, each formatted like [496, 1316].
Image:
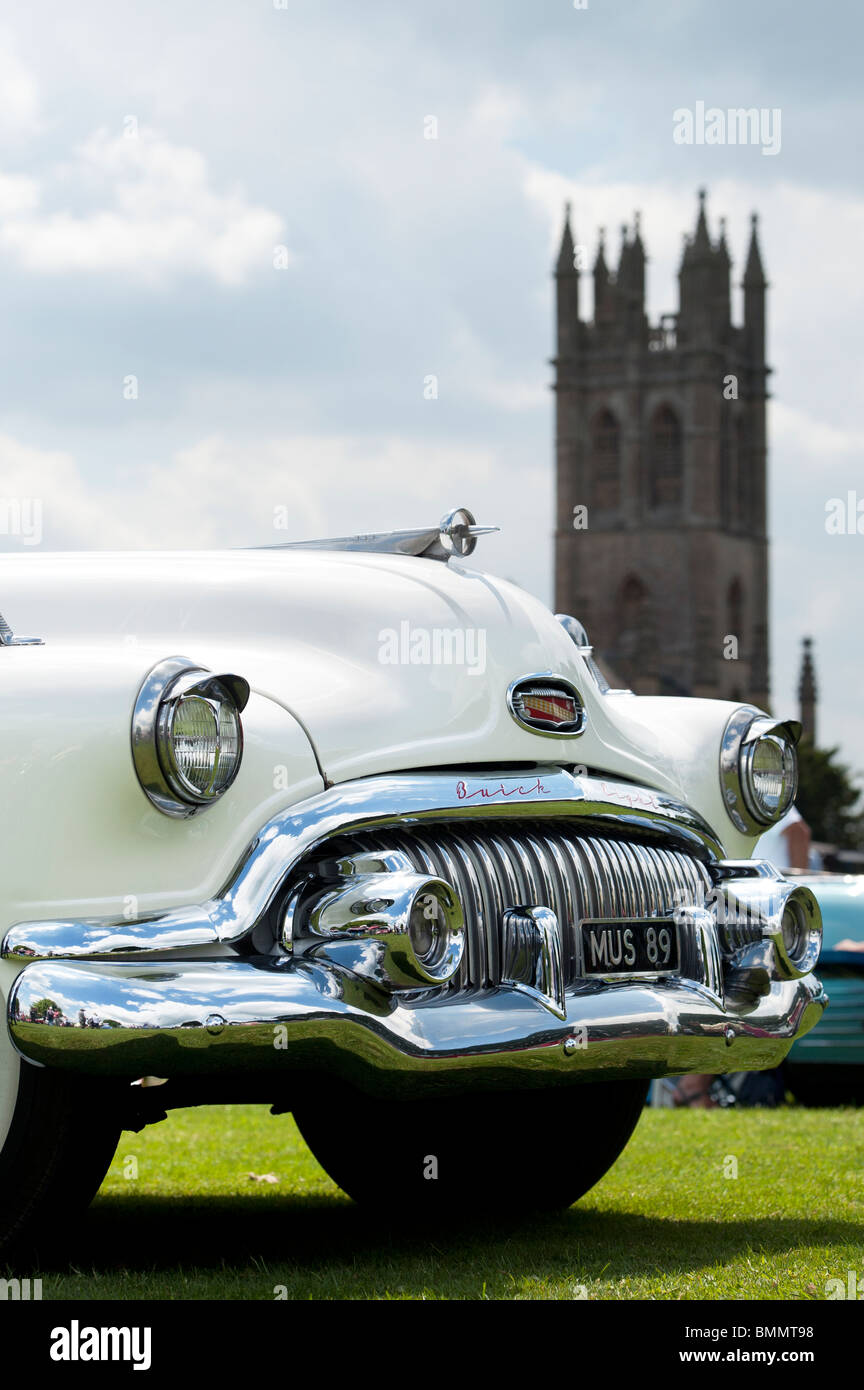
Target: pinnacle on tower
[754, 275]
[638, 248]
[603, 290]
[755, 285]
[722, 250]
[701, 240]
[807, 691]
[600, 258]
[630, 281]
[566, 263]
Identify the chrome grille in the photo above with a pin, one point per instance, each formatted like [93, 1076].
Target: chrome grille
[532, 864]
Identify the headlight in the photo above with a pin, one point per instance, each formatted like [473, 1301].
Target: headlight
[758, 769]
[187, 738]
[579, 637]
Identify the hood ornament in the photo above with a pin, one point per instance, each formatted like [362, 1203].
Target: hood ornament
[8, 638]
[456, 534]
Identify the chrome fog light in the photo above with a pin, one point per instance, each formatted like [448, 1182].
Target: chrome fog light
[402, 929]
[429, 930]
[799, 940]
[768, 928]
[793, 930]
[187, 736]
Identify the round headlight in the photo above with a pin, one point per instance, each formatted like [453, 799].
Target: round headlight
[769, 773]
[579, 637]
[187, 738]
[200, 742]
[758, 769]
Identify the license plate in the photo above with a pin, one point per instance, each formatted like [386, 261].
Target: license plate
[636, 946]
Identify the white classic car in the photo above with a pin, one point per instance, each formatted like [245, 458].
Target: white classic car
[352, 829]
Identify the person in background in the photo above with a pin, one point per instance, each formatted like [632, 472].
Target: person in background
[786, 844]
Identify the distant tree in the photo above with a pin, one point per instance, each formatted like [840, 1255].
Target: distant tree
[41, 1007]
[828, 798]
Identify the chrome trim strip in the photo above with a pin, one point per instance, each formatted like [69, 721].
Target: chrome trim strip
[192, 1017]
[544, 794]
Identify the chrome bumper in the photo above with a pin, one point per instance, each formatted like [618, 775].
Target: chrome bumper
[166, 995]
[175, 1019]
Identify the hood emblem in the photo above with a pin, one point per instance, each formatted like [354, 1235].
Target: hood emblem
[547, 704]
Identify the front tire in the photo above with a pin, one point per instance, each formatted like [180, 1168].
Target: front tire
[503, 1152]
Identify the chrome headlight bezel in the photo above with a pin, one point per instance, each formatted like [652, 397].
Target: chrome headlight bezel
[153, 752]
[579, 637]
[746, 728]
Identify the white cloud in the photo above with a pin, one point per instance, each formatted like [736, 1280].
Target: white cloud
[221, 492]
[497, 110]
[794, 428]
[19, 195]
[19, 108]
[155, 214]
[474, 370]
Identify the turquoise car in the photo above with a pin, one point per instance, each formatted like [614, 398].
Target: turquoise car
[826, 1067]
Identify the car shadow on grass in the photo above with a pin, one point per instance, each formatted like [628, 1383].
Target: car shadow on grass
[318, 1233]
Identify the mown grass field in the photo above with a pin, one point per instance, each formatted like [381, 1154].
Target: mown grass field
[666, 1223]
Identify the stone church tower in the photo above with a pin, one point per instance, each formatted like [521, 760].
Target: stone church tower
[660, 546]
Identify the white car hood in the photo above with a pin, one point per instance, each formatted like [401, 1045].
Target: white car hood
[356, 646]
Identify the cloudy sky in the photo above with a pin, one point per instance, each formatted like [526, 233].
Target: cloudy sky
[230, 257]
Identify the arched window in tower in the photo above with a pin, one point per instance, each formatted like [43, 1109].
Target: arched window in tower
[666, 459]
[735, 612]
[605, 461]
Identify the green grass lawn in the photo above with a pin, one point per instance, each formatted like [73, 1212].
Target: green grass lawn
[665, 1223]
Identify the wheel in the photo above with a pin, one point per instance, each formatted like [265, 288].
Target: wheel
[57, 1139]
[507, 1152]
